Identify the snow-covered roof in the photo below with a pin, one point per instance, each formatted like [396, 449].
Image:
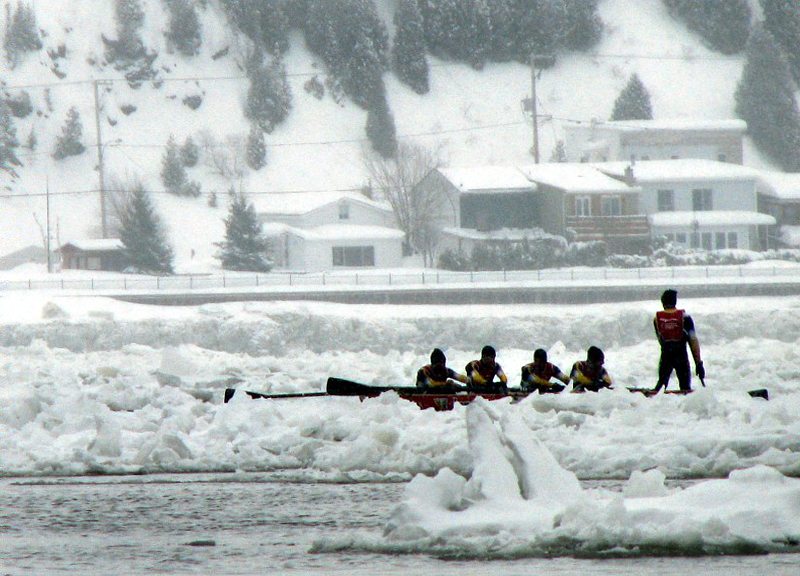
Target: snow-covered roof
[710, 218]
[504, 234]
[348, 232]
[271, 229]
[575, 177]
[676, 124]
[303, 202]
[96, 244]
[495, 178]
[780, 185]
[679, 170]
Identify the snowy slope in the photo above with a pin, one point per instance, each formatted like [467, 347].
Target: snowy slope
[472, 117]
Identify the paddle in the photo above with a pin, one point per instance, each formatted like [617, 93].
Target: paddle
[229, 392]
[342, 387]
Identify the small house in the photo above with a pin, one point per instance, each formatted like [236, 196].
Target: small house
[315, 231]
[98, 254]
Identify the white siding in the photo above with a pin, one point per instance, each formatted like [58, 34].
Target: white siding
[726, 195]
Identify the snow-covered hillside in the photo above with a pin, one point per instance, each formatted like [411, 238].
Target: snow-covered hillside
[472, 117]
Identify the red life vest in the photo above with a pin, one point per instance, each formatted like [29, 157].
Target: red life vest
[669, 324]
[545, 372]
[485, 373]
[589, 372]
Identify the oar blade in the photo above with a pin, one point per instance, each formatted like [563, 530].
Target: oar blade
[229, 392]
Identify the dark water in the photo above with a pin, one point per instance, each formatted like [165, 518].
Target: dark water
[254, 524]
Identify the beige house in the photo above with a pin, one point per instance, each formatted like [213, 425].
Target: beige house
[669, 139]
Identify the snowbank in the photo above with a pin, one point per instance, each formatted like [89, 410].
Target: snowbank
[520, 502]
[90, 385]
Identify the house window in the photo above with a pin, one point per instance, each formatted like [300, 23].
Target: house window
[722, 157]
[344, 211]
[674, 157]
[645, 157]
[719, 240]
[612, 206]
[733, 240]
[354, 256]
[701, 199]
[583, 206]
[666, 200]
[680, 237]
[706, 239]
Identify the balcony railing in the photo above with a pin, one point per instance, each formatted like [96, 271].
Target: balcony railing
[589, 228]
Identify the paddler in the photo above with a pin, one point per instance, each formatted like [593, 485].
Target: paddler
[590, 375]
[674, 330]
[538, 375]
[437, 376]
[481, 373]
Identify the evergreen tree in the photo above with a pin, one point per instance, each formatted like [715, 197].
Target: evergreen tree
[21, 34]
[538, 28]
[478, 33]
[502, 30]
[782, 20]
[69, 143]
[765, 99]
[583, 27]
[128, 53]
[245, 248]
[190, 153]
[351, 38]
[269, 98]
[184, 27]
[8, 138]
[142, 234]
[633, 103]
[408, 53]
[256, 152]
[130, 18]
[723, 24]
[381, 130]
[173, 172]
[265, 22]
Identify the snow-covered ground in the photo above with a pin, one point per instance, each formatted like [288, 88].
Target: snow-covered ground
[96, 385]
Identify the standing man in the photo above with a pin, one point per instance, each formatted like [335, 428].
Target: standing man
[481, 373]
[674, 330]
[538, 375]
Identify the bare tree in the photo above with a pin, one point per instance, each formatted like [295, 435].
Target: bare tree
[415, 209]
[228, 158]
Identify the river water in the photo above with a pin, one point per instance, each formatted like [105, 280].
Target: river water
[256, 524]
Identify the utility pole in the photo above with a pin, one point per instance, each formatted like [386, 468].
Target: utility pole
[103, 224]
[47, 226]
[535, 149]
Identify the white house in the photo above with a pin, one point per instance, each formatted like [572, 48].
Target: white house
[779, 196]
[699, 203]
[668, 139]
[314, 231]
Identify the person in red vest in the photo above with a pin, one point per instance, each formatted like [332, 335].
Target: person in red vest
[674, 330]
[437, 376]
[481, 373]
[537, 375]
[590, 375]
